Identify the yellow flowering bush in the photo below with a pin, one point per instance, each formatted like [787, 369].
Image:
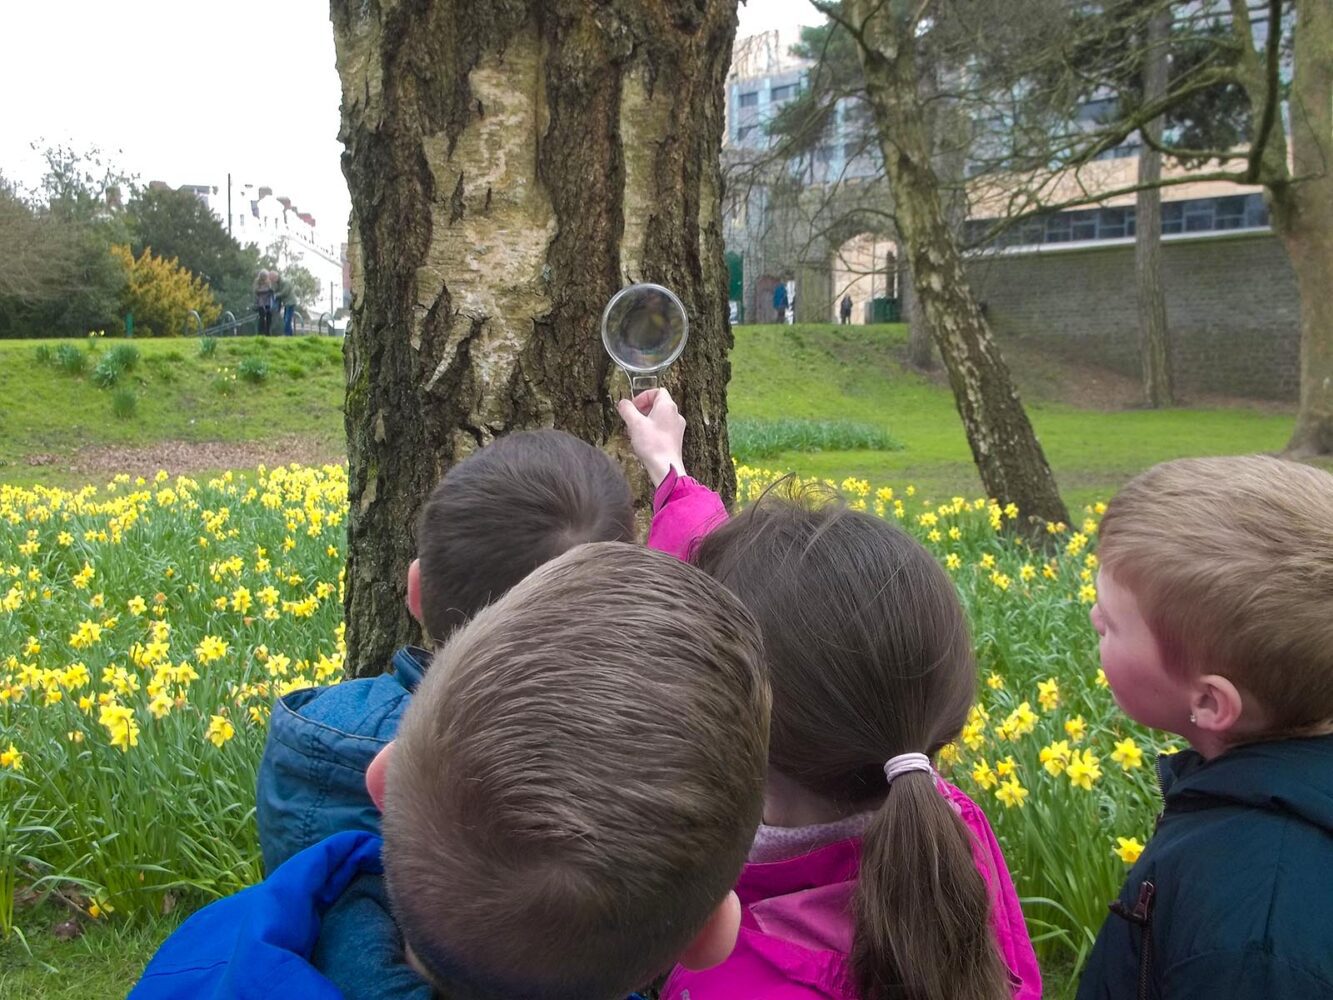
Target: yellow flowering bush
[160, 293]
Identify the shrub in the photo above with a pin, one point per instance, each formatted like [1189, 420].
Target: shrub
[253, 370]
[123, 403]
[43, 354]
[208, 346]
[70, 360]
[160, 293]
[106, 374]
[766, 438]
[124, 357]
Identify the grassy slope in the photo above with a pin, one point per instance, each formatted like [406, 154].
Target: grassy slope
[45, 411]
[853, 373]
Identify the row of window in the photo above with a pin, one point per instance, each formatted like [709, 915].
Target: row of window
[778, 95]
[1197, 215]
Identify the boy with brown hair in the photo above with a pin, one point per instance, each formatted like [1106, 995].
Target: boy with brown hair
[566, 808]
[1215, 615]
[494, 518]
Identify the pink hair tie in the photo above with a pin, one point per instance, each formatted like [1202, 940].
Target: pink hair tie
[905, 762]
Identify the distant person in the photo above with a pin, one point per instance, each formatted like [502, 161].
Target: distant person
[845, 310]
[264, 301]
[284, 293]
[791, 301]
[780, 301]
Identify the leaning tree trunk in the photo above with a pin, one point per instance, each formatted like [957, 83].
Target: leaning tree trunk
[511, 164]
[1303, 218]
[1154, 358]
[1008, 456]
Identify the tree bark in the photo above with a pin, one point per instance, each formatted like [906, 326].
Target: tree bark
[1154, 355]
[1008, 456]
[511, 164]
[1302, 213]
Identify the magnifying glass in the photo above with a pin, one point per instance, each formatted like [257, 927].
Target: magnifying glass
[644, 330]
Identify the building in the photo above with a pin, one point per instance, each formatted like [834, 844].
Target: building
[275, 224]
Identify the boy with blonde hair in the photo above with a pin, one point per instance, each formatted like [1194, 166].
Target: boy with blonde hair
[1215, 617]
[568, 803]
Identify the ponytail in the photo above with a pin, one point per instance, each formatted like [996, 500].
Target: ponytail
[922, 908]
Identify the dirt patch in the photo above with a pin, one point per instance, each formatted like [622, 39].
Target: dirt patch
[188, 457]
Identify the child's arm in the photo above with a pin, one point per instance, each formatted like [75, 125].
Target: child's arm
[684, 510]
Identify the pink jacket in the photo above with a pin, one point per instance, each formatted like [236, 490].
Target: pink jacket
[797, 922]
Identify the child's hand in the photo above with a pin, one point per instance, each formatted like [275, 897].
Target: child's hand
[656, 432]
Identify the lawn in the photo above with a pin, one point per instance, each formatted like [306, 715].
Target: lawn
[844, 385]
[854, 374]
[51, 419]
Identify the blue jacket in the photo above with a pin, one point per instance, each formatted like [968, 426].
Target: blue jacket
[259, 942]
[1233, 896]
[312, 778]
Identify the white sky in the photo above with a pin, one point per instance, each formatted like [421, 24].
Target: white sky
[187, 91]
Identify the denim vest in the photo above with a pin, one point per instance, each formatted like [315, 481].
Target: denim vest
[312, 778]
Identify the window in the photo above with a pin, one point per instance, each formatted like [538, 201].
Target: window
[1057, 228]
[744, 132]
[1230, 212]
[1199, 215]
[1084, 225]
[1111, 225]
[750, 100]
[824, 153]
[1256, 212]
[1173, 217]
[786, 93]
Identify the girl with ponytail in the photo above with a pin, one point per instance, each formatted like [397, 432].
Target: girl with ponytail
[871, 877]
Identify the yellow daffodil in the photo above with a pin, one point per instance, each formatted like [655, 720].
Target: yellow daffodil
[1011, 793]
[1076, 729]
[1055, 757]
[220, 730]
[1127, 754]
[11, 758]
[983, 775]
[1084, 769]
[1128, 849]
[1048, 694]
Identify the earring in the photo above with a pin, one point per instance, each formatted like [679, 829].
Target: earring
[1193, 720]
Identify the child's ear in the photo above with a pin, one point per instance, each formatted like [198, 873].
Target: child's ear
[713, 944]
[1217, 704]
[375, 775]
[414, 589]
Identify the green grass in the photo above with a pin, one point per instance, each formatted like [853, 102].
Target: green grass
[853, 373]
[54, 408]
[103, 962]
[822, 400]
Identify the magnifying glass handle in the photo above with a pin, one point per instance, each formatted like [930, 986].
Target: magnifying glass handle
[640, 383]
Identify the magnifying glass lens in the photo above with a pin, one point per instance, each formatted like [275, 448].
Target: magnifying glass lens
[644, 328]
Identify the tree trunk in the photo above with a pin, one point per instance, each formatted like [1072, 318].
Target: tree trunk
[1302, 214]
[511, 164]
[920, 346]
[1154, 356]
[1008, 456]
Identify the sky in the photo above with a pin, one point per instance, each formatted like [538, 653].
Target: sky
[186, 92]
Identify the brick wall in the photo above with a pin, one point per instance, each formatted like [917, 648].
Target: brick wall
[1232, 308]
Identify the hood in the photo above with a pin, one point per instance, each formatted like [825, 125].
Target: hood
[1292, 777]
